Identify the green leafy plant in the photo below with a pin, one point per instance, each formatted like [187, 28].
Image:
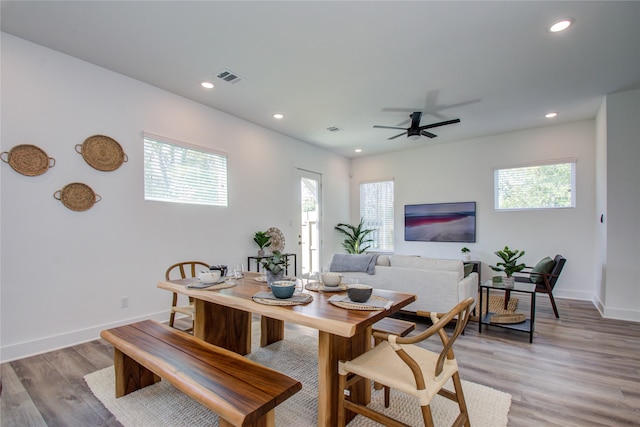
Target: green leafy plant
[356, 238]
[262, 239]
[509, 264]
[275, 263]
[465, 250]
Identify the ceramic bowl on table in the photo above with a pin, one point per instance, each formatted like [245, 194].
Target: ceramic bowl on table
[211, 276]
[283, 288]
[359, 293]
[331, 279]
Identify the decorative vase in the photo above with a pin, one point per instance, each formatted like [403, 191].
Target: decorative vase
[261, 252]
[466, 257]
[271, 277]
[508, 282]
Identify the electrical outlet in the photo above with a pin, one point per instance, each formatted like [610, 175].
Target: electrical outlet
[124, 302]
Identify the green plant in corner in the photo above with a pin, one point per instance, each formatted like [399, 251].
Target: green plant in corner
[509, 264]
[356, 238]
[465, 250]
[262, 239]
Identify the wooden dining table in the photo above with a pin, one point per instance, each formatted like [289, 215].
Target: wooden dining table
[223, 318]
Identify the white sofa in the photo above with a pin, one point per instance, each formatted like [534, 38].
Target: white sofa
[439, 284]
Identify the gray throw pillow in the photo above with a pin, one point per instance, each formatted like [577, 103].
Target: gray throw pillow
[468, 269]
[544, 266]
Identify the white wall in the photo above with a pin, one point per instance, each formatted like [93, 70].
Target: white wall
[621, 296]
[64, 272]
[463, 171]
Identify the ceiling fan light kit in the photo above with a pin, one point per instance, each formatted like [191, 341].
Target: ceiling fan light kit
[415, 131]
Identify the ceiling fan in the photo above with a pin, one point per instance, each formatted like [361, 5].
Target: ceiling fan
[415, 129]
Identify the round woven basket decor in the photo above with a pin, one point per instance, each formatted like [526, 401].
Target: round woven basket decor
[77, 196]
[102, 153]
[28, 160]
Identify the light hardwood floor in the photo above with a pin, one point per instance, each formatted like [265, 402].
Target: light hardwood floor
[581, 370]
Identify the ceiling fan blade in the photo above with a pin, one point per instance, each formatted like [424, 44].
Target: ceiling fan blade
[386, 127]
[400, 134]
[433, 125]
[428, 134]
[415, 119]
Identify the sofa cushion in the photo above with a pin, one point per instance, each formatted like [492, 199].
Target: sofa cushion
[405, 261]
[383, 260]
[545, 265]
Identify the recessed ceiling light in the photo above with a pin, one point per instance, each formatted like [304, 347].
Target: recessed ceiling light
[207, 85]
[278, 116]
[560, 26]
[551, 115]
[358, 150]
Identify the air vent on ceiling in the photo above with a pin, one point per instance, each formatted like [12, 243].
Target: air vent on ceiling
[334, 129]
[229, 77]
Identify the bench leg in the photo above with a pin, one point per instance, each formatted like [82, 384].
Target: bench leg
[268, 420]
[271, 330]
[130, 375]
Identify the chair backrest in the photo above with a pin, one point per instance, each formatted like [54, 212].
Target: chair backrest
[558, 264]
[461, 313]
[185, 269]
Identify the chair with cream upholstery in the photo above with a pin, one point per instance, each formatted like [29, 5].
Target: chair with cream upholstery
[183, 270]
[400, 364]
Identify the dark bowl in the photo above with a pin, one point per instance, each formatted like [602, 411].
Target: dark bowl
[359, 293]
[283, 289]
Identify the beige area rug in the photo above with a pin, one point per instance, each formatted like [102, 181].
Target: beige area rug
[163, 405]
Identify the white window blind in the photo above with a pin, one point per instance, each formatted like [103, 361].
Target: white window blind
[181, 173]
[538, 186]
[376, 208]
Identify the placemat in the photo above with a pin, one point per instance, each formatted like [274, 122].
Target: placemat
[374, 303]
[211, 286]
[267, 298]
[319, 287]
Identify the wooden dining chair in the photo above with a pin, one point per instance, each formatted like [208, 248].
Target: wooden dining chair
[409, 368]
[183, 270]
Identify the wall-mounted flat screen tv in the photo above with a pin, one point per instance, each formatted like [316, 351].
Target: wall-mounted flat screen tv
[440, 222]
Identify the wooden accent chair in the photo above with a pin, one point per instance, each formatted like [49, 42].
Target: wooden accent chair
[545, 281]
[182, 268]
[410, 369]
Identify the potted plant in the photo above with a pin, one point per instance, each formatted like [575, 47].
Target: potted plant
[509, 264]
[274, 266]
[356, 238]
[466, 254]
[263, 240]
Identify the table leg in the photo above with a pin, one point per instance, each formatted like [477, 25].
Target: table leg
[271, 330]
[331, 349]
[223, 326]
[532, 317]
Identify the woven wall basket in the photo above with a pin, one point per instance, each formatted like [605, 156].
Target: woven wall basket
[28, 160]
[77, 196]
[102, 152]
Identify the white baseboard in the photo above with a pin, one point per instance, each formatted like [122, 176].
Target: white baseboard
[43, 345]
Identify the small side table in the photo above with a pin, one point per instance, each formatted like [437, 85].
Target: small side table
[286, 271]
[525, 288]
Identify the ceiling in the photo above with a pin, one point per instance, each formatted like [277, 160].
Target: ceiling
[355, 64]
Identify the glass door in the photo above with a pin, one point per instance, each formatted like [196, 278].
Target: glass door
[309, 185]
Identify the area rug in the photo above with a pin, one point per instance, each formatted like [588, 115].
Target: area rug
[163, 405]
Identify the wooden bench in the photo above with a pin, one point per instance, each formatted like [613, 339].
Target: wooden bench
[240, 391]
[389, 325]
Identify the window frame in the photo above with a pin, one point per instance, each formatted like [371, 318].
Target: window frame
[387, 222]
[216, 163]
[542, 163]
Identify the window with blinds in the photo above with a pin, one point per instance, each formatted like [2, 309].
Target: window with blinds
[180, 173]
[376, 209]
[549, 185]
